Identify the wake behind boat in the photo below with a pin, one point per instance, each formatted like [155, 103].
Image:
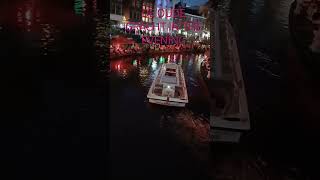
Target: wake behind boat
[169, 87]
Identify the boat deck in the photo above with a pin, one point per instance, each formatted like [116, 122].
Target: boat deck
[160, 91]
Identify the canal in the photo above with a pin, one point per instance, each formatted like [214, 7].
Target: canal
[272, 70]
[148, 139]
[265, 49]
[55, 70]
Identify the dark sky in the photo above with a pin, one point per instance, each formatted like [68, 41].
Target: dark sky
[196, 2]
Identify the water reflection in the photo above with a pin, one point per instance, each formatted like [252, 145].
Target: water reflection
[94, 5]
[144, 76]
[25, 15]
[44, 26]
[267, 24]
[19, 16]
[80, 7]
[135, 63]
[48, 33]
[145, 69]
[282, 14]
[101, 41]
[187, 128]
[257, 7]
[36, 28]
[122, 69]
[154, 64]
[263, 38]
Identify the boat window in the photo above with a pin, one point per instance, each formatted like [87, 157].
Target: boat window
[171, 70]
[170, 73]
[232, 119]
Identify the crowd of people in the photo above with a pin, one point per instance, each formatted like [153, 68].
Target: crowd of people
[124, 50]
[136, 47]
[132, 49]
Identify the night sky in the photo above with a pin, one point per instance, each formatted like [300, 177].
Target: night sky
[196, 2]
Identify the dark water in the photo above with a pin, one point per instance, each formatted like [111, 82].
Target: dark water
[52, 56]
[266, 54]
[53, 121]
[264, 43]
[263, 37]
[147, 139]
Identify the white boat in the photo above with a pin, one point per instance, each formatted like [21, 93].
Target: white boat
[169, 86]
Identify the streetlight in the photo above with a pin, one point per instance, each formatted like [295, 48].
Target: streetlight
[124, 21]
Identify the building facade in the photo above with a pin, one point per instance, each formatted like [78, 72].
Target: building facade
[163, 4]
[137, 11]
[116, 13]
[196, 30]
[147, 12]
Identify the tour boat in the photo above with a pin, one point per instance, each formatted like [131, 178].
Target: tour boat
[169, 86]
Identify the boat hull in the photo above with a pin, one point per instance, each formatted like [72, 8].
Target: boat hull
[167, 103]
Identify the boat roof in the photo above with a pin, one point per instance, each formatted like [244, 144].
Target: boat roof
[169, 80]
[171, 65]
[170, 75]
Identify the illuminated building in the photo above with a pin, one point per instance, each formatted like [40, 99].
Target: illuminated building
[135, 10]
[194, 17]
[163, 4]
[116, 12]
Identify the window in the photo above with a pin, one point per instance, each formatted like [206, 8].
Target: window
[171, 74]
[170, 70]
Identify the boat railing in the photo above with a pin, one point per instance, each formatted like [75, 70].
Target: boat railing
[182, 84]
[180, 89]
